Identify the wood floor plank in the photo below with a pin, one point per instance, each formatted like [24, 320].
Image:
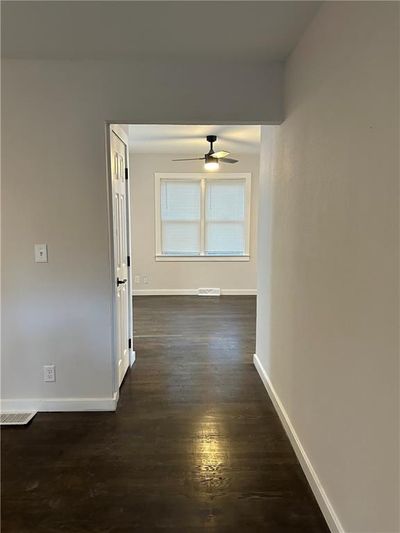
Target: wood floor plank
[195, 444]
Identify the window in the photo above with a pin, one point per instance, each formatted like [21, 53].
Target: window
[202, 217]
[180, 217]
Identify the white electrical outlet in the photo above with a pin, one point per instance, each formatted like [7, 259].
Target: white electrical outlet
[49, 372]
[145, 279]
[137, 279]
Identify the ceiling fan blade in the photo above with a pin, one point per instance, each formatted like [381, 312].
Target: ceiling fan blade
[220, 154]
[228, 160]
[190, 159]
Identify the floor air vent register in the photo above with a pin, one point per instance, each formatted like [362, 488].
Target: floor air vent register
[15, 419]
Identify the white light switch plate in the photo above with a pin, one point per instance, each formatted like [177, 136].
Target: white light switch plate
[40, 253]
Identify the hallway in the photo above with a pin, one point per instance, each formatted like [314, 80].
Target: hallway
[194, 446]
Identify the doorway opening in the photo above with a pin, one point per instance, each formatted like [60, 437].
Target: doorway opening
[186, 227]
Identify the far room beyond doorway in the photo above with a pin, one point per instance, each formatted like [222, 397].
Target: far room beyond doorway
[194, 220]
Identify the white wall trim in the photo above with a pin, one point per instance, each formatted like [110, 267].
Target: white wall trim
[323, 501]
[239, 292]
[59, 404]
[189, 292]
[202, 258]
[164, 292]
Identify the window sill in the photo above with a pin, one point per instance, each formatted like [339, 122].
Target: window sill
[203, 258]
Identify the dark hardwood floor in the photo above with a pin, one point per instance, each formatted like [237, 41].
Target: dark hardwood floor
[195, 444]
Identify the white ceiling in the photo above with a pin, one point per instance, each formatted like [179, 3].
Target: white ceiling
[191, 140]
[249, 31]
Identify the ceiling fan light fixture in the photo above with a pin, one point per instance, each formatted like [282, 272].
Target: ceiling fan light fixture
[211, 158]
[211, 163]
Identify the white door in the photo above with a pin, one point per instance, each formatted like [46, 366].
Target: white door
[121, 251]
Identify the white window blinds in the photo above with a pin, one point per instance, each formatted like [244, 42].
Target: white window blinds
[180, 217]
[204, 216]
[225, 217]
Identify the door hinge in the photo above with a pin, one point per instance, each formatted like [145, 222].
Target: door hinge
[129, 343]
[126, 173]
[128, 260]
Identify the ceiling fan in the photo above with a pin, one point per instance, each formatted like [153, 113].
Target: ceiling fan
[211, 158]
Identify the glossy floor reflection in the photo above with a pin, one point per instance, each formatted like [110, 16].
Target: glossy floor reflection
[194, 446]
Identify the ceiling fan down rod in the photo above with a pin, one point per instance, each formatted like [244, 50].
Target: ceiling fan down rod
[211, 139]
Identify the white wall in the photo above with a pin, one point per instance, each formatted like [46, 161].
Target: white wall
[331, 353]
[54, 191]
[177, 276]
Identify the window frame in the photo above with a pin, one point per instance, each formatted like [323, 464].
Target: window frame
[202, 177]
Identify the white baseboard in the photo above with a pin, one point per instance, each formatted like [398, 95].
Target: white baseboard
[164, 292]
[59, 404]
[239, 292]
[191, 292]
[323, 501]
[132, 357]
